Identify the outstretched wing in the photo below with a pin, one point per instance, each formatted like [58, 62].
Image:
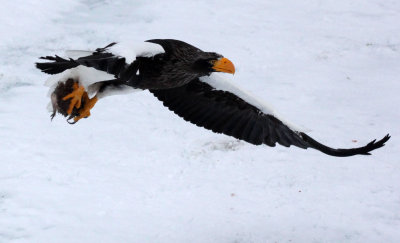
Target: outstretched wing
[223, 108]
[108, 70]
[100, 60]
[112, 59]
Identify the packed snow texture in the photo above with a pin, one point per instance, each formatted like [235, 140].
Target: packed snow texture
[135, 172]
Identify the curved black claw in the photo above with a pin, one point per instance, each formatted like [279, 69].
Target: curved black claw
[69, 120]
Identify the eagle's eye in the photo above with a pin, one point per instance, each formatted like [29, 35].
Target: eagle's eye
[204, 65]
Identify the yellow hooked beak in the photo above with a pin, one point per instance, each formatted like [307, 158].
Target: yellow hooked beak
[224, 65]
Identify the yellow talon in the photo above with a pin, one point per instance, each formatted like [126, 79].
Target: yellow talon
[84, 112]
[75, 96]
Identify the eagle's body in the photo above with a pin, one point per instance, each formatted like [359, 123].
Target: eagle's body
[181, 76]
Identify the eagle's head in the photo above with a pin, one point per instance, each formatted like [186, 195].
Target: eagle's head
[210, 62]
[183, 62]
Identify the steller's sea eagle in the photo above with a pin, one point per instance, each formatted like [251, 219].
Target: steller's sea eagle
[183, 78]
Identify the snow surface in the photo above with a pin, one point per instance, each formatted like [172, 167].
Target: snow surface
[135, 172]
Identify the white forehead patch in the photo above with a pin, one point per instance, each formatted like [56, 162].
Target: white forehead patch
[131, 50]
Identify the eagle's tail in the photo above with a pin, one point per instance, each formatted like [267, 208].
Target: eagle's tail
[57, 65]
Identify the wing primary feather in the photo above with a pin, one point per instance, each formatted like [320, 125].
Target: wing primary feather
[271, 139]
[191, 114]
[256, 134]
[219, 123]
[231, 125]
[238, 131]
[365, 150]
[206, 118]
[198, 115]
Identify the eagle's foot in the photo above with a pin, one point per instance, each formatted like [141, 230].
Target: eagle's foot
[75, 96]
[71, 100]
[84, 111]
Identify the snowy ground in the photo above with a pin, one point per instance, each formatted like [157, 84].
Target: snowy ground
[134, 172]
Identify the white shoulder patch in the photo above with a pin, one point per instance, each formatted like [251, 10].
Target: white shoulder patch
[131, 50]
[85, 75]
[222, 83]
